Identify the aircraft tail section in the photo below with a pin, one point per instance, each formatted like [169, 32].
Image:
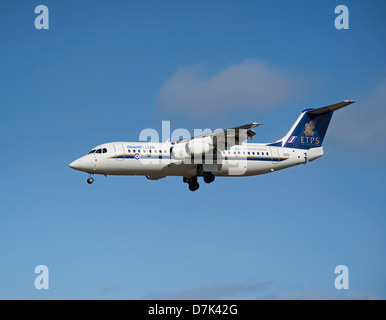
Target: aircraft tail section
[310, 128]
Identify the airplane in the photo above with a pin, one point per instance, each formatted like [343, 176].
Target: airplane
[221, 153]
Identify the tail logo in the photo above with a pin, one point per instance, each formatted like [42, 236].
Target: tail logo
[309, 131]
[292, 139]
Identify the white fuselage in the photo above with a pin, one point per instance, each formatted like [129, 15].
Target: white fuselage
[154, 160]
[214, 154]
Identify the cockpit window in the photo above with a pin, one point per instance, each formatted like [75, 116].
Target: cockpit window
[104, 150]
[98, 151]
[92, 151]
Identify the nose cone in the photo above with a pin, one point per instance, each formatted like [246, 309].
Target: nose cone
[84, 164]
[77, 164]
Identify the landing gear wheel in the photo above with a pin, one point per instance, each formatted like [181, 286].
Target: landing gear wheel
[193, 186]
[208, 177]
[90, 180]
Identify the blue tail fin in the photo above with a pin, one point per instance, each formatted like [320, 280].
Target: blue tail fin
[310, 128]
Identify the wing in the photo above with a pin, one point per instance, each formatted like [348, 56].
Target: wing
[228, 138]
[225, 139]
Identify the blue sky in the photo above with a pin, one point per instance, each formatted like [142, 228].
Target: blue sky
[105, 70]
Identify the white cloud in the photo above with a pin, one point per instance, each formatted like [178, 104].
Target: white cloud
[249, 85]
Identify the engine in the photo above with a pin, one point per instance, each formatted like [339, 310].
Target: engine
[195, 147]
[180, 151]
[198, 147]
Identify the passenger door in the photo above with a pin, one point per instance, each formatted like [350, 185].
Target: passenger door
[274, 155]
[119, 151]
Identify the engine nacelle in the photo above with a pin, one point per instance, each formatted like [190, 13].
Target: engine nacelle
[195, 147]
[180, 151]
[198, 147]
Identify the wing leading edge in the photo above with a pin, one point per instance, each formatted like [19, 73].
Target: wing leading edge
[228, 137]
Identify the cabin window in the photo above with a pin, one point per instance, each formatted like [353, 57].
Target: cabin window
[149, 151]
[128, 151]
[253, 153]
[249, 153]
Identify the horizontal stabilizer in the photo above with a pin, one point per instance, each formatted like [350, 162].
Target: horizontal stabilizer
[331, 108]
[310, 128]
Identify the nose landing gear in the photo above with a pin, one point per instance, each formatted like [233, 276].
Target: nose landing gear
[90, 180]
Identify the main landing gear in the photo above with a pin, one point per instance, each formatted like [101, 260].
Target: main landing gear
[192, 182]
[90, 180]
[194, 185]
[208, 177]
